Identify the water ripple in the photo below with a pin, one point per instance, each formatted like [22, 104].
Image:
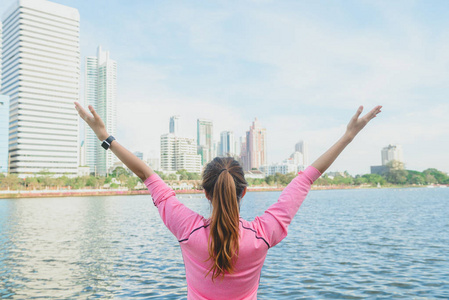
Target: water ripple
[351, 244]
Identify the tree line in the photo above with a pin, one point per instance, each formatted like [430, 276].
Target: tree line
[391, 177]
[121, 177]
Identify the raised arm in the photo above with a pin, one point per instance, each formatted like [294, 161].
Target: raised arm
[137, 166]
[355, 125]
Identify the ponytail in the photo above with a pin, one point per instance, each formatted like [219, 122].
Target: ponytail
[224, 193]
[224, 226]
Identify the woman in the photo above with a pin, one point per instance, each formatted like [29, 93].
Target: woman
[224, 254]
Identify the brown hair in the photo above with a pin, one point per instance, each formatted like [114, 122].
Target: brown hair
[224, 183]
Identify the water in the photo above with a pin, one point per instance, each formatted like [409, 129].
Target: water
[349, 244]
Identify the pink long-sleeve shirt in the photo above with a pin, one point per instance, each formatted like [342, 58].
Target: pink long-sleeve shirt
[256, 237]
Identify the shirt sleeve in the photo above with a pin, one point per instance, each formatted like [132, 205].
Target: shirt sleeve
[178, 218]
[273, 224]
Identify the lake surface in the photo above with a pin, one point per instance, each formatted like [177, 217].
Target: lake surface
[348, 244]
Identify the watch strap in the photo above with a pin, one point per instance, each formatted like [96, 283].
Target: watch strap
[107, 142]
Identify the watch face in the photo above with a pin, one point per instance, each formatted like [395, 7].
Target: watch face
[105, 145]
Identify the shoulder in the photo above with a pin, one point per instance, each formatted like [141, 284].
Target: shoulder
[253, 230]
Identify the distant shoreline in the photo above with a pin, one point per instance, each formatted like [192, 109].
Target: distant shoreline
[84, 193]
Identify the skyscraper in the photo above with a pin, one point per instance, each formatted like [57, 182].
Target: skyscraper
[205, 140]
[392, 153]
[4, 124]
[303, 148]
[227, 144]
[174, 125]
[40, 73]
[255, 147]
[100, 91]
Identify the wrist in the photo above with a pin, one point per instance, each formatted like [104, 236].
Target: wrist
[103, 136]
[348, 137]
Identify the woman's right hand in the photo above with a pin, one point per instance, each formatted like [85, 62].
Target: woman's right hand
[93, 120]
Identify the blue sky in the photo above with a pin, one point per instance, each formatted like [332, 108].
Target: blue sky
[301, 67]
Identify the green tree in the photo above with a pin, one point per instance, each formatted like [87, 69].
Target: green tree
[359, 180]
[123, 179]
[430, 179]
[10, 181]
[32, 183]
[172, 177]
[341, 180]
[415, 177]
[131, 182]
[440, 177]
[374, 179]
[323, 180]
[193, 176]
[79, 182]
[397, 176]
[183, 174]
[161, 175]
[100, 181]
[91, 181]
[119, 171]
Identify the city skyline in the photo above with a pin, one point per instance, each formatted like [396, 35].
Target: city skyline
[301, 68]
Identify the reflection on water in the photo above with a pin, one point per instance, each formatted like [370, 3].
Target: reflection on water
[342, 244]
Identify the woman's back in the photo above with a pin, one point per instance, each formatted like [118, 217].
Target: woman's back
[255, 238]
[242, 284]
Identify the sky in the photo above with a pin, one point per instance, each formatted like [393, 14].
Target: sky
[301, 67]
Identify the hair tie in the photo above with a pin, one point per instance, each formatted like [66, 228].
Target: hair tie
[222, 171]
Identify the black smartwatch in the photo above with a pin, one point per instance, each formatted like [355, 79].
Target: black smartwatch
[107, 142]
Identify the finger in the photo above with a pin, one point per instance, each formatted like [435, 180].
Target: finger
[373, 113]
[94, 113]
[359, 111]
[81, 111]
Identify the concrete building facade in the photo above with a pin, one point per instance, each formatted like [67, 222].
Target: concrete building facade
[40, 74]
[4, 129]
[227, 144]
[100, 91]
[254, 150]
[392, 153]
[179, 153]
[205, 143]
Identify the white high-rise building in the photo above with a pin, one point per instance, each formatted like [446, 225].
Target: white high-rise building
[40, 73]
[227, 144]
[205, 141]
[303, 148]
[179, 153]
[392, 153]
[100, 91]
[297, 158]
